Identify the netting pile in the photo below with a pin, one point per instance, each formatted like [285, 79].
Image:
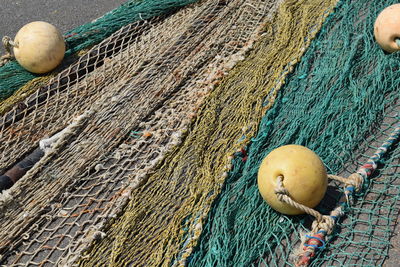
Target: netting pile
[150, 93]
[342, 102]
[168, 120]
[13, 76]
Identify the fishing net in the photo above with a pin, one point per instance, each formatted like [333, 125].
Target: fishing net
[342, 102]
[176, 198]
[165, 123]
[13, 76]
[148, 96]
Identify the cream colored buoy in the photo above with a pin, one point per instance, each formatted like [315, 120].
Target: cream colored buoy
[387, 28]
[304, 177]
[39, 47]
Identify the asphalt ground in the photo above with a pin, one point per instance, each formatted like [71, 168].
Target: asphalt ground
[64, 14]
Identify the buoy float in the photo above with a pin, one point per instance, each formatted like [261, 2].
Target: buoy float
[387, 28]
[39, 47]
[304, 177]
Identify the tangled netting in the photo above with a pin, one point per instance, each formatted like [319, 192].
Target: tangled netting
[342, 102]
[175, 200]
[13, 76]
[148, 83]
[165, 123]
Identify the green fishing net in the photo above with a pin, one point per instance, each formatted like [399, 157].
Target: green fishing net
[13, 76]
[342, 102]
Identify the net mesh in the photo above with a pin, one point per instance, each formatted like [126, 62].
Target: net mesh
[145, 175]
[342, 102]
[149, 93]
[13, 76]
[176, 198]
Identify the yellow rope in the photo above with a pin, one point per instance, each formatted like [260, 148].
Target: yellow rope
[283, 195]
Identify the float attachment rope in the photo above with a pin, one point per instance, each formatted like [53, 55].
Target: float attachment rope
[324, 225]
[322, 222]
[8, 45]
[283, 195]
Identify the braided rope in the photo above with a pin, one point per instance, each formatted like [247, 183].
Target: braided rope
[352, 183]
[355, 180]
[325, 222]
[283, 195]
[8, 45]
[317, 238]
[324, 225]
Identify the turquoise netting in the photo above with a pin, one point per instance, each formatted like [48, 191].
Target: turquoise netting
[341, 101]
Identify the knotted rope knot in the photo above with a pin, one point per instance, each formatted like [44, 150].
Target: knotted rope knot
[355, 180]
[8, 45]
[325, 223]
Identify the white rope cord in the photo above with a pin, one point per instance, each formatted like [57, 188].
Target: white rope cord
[323, 222]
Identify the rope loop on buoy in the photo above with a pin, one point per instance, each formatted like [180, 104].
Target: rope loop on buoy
[8, 45]
[323, 224]
[283, 195]
[326, 223]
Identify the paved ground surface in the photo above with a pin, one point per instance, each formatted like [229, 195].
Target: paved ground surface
[64, 14]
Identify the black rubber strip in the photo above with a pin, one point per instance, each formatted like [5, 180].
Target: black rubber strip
[5, 182]
[31, 159]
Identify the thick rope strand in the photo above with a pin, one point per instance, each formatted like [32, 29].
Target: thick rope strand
[283, 195]
[324, 225]
[8, 46]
